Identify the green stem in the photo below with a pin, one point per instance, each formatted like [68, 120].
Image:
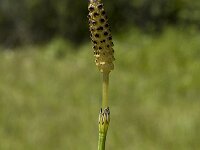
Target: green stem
[104, 121]
[105, 90]
[102, 141]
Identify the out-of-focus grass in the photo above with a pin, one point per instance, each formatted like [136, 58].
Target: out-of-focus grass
[50, 102]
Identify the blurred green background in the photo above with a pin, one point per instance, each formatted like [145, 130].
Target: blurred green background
[50, 88]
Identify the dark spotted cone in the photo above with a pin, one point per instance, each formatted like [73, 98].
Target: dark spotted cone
[100, 34]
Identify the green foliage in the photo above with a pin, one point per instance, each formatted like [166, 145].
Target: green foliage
[38, 21]
[191, 12]
[58, 48]
[48, 103]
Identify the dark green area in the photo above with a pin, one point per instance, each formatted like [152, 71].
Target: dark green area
[38, 21]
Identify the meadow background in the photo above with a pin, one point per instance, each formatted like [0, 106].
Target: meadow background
[50, 88]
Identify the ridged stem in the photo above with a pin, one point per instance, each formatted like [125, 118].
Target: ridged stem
[102, 141]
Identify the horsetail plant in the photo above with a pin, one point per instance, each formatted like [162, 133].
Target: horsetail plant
[101, 38]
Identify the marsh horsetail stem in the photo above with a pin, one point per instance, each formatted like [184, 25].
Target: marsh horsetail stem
[101, 38]
[105, 90]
